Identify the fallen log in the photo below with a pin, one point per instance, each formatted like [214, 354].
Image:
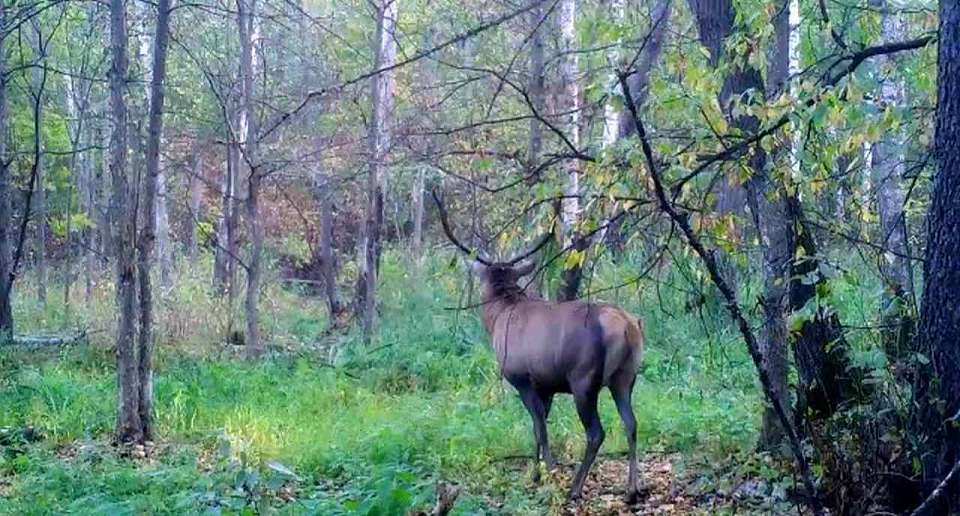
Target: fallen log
[42, 341]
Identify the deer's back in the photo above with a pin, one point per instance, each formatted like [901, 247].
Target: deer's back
[550, 344]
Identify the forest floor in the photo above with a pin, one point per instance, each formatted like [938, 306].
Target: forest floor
[234, 435]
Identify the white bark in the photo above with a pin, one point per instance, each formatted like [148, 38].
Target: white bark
[382, 94]
[611, 113]
[569, 111]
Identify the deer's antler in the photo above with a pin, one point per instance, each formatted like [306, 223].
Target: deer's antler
[446, 229]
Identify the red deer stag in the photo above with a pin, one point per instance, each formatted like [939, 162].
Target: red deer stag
[546, 348]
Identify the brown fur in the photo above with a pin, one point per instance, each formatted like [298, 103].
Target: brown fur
[545, 348]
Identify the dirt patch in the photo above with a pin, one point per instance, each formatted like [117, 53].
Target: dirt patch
[603, 492]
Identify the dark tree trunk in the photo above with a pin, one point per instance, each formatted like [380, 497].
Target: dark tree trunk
[535, 87]
[38, 78]
[246, 19]
[328, 261]
[123, 221]
[148, 233]
[225, 263]
[819, 347]
[6, 235]
[768, 205]
[195, 185]
[937, 422]
[660, 20]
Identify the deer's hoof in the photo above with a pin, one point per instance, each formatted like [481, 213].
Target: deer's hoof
[632, 497]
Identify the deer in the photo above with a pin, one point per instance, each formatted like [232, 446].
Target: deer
[545, 348]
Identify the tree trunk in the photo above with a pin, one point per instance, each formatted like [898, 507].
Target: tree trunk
[328, 263]
[568, 107]
[767, 202]
[124, 224]
[246, 19]
[89, 195]
[820, 349]
[224, 272]
[40, 214]
[195, 192]
[162, 220]
[618, 124]
[77, 174]
[148, 233]
[535, 88]
[382, 92]
[104, 226]
[416, 239]
[6, 255]
[660, 21]
[887, 164]
[715, 23]
[935, 424]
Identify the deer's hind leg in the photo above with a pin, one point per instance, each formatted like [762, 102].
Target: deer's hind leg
[621, 387]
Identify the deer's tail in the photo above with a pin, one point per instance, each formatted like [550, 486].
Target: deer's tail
[635, 340]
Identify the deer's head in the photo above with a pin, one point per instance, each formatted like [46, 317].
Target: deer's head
[498, 278]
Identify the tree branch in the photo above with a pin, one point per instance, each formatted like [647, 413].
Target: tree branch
[710, 261]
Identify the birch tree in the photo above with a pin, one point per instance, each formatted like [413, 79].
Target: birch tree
[378, 143]
[568, 111]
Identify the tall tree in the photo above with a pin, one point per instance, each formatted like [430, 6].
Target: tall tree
[536, 86]
[715, 23]
[647, 60]
[147, 238]
[194, 189]
[378, 142]
[937, 422]
[768, 205]
[248, 30]
[6, 229]
[38, 78]
[225, 259]
[887, 167]
[324, 193]
[123, 220]
[568, 112]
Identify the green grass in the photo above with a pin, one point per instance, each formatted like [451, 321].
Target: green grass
[370, 435]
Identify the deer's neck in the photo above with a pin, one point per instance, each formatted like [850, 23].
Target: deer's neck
[494, 307]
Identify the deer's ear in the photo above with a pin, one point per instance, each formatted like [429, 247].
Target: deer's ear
[525, 268]
[477, 267]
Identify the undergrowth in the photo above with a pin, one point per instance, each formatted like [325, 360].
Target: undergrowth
[328, 425]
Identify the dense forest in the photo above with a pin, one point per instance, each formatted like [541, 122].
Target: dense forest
[338, 256]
